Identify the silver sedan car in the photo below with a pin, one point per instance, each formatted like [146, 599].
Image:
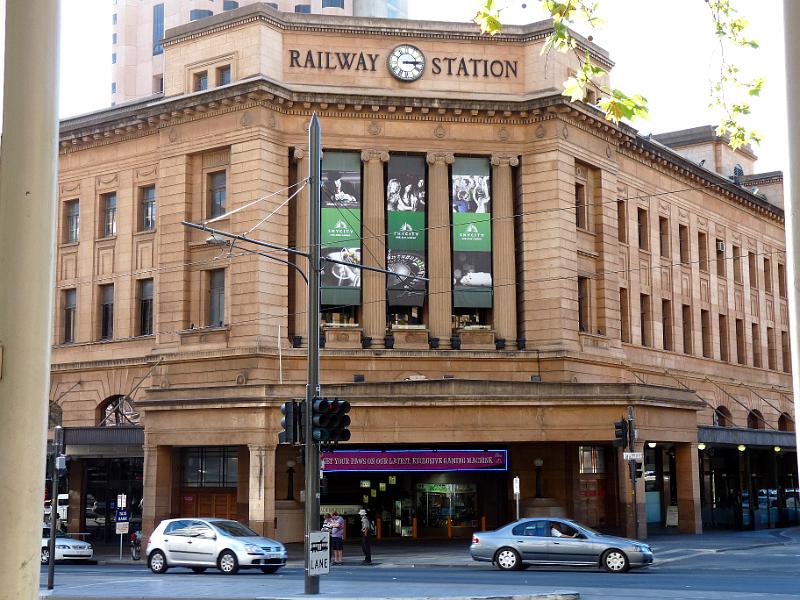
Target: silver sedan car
[202, 543]
[558, 542]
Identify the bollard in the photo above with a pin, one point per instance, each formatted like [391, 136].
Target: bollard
[414, 527]
[378, 528]
[449, 528]
[483, 523]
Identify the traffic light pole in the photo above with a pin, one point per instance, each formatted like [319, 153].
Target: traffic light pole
[632, 471]
[312, 386]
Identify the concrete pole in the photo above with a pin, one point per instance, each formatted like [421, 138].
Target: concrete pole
[28, 161]
[791, 16]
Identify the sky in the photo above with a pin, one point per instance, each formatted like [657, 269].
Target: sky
[664, 50]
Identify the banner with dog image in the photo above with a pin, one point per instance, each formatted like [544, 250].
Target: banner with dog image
[472, 233]
[340, 285]
[405, 227]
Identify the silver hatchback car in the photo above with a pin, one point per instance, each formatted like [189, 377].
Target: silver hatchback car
[557, 542]
[202, 543]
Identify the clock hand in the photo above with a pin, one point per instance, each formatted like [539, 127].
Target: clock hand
[411, 62]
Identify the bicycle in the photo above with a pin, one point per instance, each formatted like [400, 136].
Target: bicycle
[136, 545]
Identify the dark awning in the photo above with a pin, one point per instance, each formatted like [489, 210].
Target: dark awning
[103, 436]
[733, 436]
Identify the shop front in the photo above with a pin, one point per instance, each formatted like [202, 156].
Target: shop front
[418, 492]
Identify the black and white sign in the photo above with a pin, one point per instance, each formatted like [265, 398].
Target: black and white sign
[319, 558]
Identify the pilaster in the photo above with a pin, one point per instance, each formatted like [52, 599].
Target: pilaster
[687, 462]
[374, 247]
[440, 295]
[504, 277]
[262, 489]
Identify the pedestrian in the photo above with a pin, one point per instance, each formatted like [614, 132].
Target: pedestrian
[336, 525]
[365, 541]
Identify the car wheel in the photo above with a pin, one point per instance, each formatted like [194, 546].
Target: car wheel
[199, 569]
[228, 563]
[507, 559]
[157, 562]
[45, 555]
[614, 561]
[271, 569]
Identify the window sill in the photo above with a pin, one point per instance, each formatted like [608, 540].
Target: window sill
[74, 244]
[110, 238]
[204, 335]
[144, 232]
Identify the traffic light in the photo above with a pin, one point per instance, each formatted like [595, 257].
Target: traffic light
[329, 420]
[638, 470]
[290, 423]
[621, 433]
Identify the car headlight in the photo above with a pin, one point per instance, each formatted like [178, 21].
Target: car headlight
[62, 547]
[251, 549]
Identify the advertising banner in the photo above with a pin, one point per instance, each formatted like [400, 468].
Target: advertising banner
[341, 228]
[415, 460]
[472, 233]
[405, 228]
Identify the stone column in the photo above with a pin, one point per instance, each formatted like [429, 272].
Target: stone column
[27, 244]
[262, 489]
[687, 463]
[626, 497]
[440, 272]
[157, 494]
[300, 289]
[504, 276]
[373, 253]
[76, 513]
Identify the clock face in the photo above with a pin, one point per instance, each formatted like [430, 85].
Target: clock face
[406, 62]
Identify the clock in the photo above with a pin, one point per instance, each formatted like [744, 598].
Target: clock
[406, 62]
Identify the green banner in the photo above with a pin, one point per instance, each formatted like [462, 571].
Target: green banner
[472, 232]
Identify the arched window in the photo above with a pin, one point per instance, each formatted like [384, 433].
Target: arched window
[785, 423]
[116, 411]
[755, 420]
[722, 417]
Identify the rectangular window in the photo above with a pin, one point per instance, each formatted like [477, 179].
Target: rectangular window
[705, 325]
[625, 315]
[741, 350]
[217, 193]
[113, 87]
[158, 84]
[223, 75]
[666, 325]
[216, 302]
[113, 38]
[109, 215]
[200, 81]
[333, 4]
[229, 4]
[158, 28]
[106, 312]
[723, 338]
[702, 251]
[772, 356]
[782, 280]
[146, 307]
[737, 264]
[720, 248]
[686, 317]
[210, 466]
[787, 352]
[622, 222]
[767, 275]
[199, 13]
[113, 58]
[72, 221]
[644, 229]
[644, 319]
[147, 215]
[114, 19]
[583, 304]
[302, 8]
[683, 240]
[70, 304]
[581, 220]
[752, 267]
[663, 236]
[756, 345]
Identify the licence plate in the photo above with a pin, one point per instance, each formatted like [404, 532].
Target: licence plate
[273, 555]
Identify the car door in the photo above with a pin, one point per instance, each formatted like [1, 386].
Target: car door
[572, 547]
[176, 538]
[201, 544]
[530, 540]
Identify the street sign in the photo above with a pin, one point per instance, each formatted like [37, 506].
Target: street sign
[516, 485]
[319, 553]
[633, 455]
[122, 527]
[121, 516]
[122, 500]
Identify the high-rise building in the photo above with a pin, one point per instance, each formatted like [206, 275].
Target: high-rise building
[138, 27]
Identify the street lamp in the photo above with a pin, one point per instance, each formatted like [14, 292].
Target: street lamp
[223, 243]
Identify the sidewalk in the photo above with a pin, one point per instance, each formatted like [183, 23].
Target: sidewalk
[410, 553]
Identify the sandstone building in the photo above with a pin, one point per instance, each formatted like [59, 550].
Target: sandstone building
[575, 269]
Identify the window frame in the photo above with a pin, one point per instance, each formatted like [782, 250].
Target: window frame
[145, 307]
[108, 222]
[72, 234]
[643, 228]
[215, 315]
[69, 299]
[214, 208]
[106, 312]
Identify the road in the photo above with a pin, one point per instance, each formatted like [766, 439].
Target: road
[761, 573]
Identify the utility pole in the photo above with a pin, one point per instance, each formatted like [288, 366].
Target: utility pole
[312, 385]
[56, 470]
[632, 470]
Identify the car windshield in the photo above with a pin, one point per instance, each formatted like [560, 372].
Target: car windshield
[233, 528]
[46, 533]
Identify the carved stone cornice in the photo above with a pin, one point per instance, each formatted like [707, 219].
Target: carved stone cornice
[504, 160]
[370, 155]
[440, 157]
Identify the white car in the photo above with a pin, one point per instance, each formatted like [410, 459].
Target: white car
[216, 543]
[67, 548]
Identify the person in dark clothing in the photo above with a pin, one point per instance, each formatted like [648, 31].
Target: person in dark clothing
[365, 541]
